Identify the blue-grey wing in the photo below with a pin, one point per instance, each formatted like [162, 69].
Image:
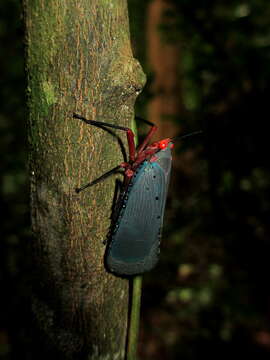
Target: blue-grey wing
[134, 245]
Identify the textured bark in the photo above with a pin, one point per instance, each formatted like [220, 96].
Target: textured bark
[78, 60]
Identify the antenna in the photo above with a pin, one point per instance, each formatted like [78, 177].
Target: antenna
[186, 135]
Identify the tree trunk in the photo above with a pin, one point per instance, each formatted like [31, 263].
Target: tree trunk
[78, 60]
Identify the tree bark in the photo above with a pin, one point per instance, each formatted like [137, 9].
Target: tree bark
[79, 59]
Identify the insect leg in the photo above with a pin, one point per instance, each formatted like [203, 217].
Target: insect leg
[144, 120]
[129, 132]
[101, 178]
[148, 136]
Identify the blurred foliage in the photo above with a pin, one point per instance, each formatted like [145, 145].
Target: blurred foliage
[15, 230]
[209, 295]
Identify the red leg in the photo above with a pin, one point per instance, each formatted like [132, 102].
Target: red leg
[131, 145]
[147, 139]
[129, 132]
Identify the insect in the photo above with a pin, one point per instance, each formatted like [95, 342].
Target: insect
[134, 242]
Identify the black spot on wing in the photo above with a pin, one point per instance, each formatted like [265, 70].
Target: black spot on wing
[135, 243]
[134, 246]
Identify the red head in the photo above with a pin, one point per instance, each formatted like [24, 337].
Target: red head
[163, 144]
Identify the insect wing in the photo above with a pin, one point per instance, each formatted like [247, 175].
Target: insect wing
[134, 246]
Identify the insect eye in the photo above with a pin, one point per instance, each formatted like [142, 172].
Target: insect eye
[163, 144]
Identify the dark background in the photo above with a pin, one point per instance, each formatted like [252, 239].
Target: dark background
[209, 294]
